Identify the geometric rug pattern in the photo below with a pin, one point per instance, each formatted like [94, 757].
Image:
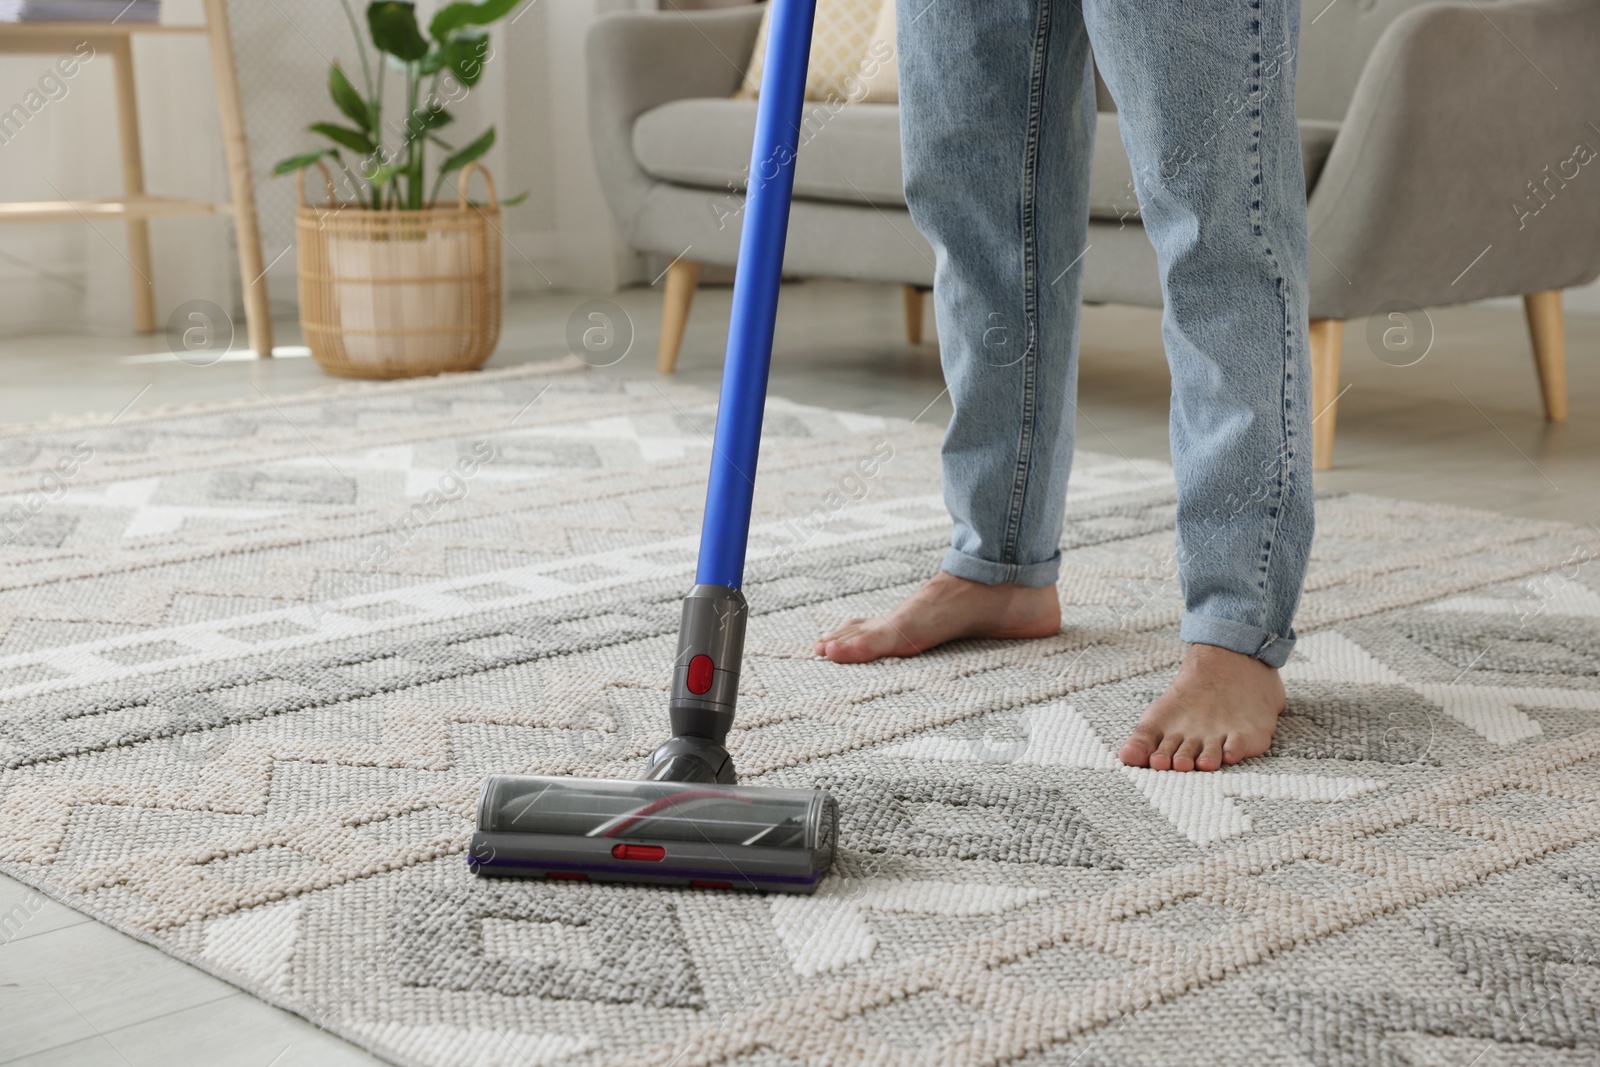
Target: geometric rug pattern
[256, 659]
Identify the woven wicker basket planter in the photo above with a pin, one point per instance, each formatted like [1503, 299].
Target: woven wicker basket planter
[399, 294]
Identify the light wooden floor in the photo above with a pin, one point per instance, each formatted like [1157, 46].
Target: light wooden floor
[1462, 426]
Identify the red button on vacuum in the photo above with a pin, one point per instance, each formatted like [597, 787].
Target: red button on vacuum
[700, 674]
[647, 853]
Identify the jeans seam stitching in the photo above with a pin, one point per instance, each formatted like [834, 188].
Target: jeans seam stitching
[1281, 460]
[1286, 454]
[1030, 248]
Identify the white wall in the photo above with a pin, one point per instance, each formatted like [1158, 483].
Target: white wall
[64, 276]
[563, 236]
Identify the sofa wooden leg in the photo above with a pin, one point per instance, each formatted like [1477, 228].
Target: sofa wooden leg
[682, 279]
[1327, 336]
[1546, 327]
[912, 299]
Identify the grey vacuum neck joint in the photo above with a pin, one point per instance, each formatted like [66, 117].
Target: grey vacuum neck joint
[705, 674]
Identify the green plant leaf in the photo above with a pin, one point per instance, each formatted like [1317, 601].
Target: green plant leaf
[465, 55]
[430, 119]
[469, 153]
[452, 17]
[433, 62]
[361, 48]
[385, 182]
[426, 118]
[349, 101]
[441, 142]
[394, 29]
[355, 140]
[345, 179]
[513, 202]
[302, 161]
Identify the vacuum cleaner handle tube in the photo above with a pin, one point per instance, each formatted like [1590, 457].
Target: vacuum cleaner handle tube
[705, 682]
[755, 295]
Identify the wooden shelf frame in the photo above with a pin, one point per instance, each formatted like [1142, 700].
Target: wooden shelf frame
[136, 207]
[139, 207]
[73, 32]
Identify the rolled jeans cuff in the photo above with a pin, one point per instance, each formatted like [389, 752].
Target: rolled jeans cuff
[973, 569]
[1270, 648]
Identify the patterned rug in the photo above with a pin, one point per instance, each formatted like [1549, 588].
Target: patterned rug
[256, 658]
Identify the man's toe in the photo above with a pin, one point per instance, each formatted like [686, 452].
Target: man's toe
[862, 645]
[1210, 757]
[1161, 758]
[843, 630]
[1140, 744]
[1183, 759]
[843, 650]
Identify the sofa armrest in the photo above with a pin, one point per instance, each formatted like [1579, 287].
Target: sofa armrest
[1462, 171]
[640, 60]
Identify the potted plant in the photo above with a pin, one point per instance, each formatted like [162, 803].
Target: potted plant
[394, 283]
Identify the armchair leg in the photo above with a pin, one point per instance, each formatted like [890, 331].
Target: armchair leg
[683, 277]
[1327, 336]
[1548, 331]
[912, 298]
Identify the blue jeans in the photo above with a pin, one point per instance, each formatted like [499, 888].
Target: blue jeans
[997, 123]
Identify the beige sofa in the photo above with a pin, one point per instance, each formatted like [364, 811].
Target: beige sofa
[1424, 126]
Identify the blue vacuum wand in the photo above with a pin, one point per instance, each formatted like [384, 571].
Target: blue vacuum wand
[688, 823]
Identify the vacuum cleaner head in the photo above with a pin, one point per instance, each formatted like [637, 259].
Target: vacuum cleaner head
[705, 835]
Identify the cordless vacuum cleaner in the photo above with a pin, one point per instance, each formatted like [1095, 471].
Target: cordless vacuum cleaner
[687, 824]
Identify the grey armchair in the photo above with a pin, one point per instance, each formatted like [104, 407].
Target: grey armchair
[1452, 153]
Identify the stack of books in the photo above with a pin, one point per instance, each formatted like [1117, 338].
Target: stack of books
[80, 10]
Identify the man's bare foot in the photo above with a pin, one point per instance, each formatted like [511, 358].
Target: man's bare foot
[944, 609]
[1221, 708]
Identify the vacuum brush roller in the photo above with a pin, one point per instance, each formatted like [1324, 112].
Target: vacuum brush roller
[705, 835]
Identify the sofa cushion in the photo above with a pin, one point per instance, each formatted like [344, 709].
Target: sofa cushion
[851, 153]
[841, 32]
[848, 152]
